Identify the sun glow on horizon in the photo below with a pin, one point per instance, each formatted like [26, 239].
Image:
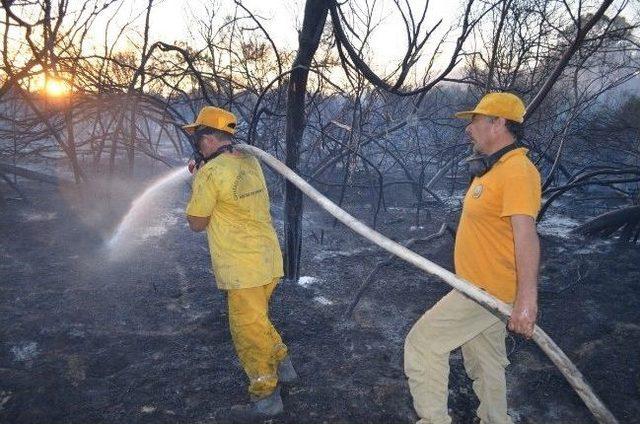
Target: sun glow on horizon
[56, 88]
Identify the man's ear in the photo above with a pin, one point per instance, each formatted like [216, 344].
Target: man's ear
[497, 125]
[212, 138]
[206, 139]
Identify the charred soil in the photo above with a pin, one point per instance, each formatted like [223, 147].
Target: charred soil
[145, 339]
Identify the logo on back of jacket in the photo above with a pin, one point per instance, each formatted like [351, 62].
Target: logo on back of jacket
[243, 187]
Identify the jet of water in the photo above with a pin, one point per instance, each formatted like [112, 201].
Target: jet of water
[141, 208]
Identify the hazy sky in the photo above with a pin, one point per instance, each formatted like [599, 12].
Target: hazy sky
[171, 21]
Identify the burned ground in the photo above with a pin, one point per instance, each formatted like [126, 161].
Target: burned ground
[145, 339]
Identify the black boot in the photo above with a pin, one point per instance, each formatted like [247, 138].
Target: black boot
[286, 373]
[261, 408]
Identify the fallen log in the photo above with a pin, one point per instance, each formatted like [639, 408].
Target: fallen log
[501, 309]
[14, 186]
[32, 175]
[627, 218]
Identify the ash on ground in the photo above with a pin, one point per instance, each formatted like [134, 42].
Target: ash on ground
[145, 339]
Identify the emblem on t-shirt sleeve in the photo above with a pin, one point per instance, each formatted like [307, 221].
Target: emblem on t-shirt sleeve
[477, 191]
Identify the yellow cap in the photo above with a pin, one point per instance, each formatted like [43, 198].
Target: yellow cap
[502, 105]
[214, 117]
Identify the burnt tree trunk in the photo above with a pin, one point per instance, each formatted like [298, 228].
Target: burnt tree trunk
[315, 15]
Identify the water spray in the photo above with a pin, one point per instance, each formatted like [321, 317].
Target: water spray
[140, 207]
[501, 309]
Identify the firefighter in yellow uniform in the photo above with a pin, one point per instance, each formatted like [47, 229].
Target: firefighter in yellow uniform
[231, 202]
[497, 249]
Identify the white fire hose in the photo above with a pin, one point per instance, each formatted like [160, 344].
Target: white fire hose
[557, 356]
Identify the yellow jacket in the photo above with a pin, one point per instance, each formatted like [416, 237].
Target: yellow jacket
[245, 252]
[484, 248]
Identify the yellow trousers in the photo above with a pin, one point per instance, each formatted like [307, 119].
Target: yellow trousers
[456, 321]
[257, 342]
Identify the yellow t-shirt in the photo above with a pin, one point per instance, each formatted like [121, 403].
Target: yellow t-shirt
[244, 247]
[484, 247]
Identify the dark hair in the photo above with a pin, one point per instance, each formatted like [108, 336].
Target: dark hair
[516, 129]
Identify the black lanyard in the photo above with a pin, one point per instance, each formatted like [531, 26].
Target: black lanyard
[221, 150]
[200, 159]
[480, 165]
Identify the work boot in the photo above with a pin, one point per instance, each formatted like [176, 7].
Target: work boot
[286, 373]
[262, 408]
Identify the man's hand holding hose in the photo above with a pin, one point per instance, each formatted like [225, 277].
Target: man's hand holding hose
[193, 168]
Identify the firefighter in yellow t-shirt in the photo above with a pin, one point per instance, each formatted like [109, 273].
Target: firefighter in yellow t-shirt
[230, 201]
[497, 249]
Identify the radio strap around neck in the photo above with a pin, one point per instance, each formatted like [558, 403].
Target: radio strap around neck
[219, 151]
[485, 163]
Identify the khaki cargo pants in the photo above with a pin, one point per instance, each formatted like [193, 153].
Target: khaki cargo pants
[456, 321]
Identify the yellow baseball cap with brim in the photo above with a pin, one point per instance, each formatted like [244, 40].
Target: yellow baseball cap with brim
[501, 105]
[213, 117]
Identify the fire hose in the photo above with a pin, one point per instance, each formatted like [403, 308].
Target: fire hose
[499, 308]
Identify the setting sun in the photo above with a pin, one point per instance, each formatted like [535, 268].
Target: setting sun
[56, 88]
